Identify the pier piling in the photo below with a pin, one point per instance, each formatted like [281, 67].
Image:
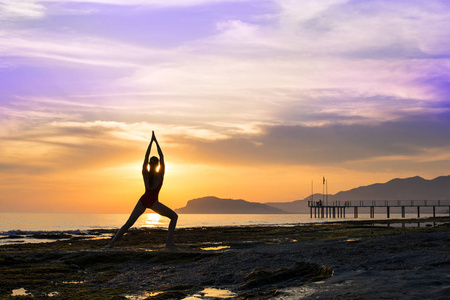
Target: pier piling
[338, 209]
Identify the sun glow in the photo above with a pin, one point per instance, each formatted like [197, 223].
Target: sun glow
[151, 220]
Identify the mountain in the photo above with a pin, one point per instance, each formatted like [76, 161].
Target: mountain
[413, 188]
[214, 205]
[297, 206]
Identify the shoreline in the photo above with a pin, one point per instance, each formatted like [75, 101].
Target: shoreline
[350, 259]
[13, 222]
[19, 236]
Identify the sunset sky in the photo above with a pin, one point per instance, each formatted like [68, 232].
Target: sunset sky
[249, 99]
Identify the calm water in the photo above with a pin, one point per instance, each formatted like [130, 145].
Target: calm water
[63, 222]
[22, 228]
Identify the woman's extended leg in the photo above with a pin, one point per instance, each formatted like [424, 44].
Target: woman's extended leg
[167, 212]
[137, 212]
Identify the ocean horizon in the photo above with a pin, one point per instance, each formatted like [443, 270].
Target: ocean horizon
[25, 222]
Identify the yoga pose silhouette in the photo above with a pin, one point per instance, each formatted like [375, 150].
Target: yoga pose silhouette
[153, 180]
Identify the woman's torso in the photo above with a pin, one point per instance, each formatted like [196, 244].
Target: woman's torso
[152, 182]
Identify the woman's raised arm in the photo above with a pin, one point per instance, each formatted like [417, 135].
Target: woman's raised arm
[161, 156]
[147, 155]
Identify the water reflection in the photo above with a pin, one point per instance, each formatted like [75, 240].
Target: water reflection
[216, 293]
[296, 293]
[213, 293]
[417, 224]
[141, 295]
[215, 248]
[19, 292]
[74, 282]
[24, 292]
[151, 220]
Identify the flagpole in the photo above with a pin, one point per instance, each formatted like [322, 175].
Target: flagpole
[323, 190]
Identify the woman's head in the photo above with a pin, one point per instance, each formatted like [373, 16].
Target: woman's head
[154, 162]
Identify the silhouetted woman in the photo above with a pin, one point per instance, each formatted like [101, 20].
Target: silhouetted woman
[153, 180]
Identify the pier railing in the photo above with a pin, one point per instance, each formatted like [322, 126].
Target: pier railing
[337, 209]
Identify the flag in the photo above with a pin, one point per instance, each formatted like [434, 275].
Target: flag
[324, 180]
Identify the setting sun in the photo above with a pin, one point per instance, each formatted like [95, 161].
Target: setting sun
[151, 220]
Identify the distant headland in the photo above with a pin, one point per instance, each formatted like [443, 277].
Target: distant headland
[214, 205]
[412, 188]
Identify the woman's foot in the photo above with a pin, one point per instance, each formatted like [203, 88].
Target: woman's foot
[171, 246]
[109, 246]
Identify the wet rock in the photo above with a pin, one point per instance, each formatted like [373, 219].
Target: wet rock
[301, 272]
[74, 266]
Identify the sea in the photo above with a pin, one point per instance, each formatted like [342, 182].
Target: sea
[13, 226]
[87, 221]
[66, 221]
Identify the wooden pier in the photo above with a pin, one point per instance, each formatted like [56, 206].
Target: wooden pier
[337, 209]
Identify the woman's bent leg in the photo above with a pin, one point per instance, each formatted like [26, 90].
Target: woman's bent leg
[167, 212]
[138, 210]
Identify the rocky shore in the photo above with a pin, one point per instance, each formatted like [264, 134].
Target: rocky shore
[348, 260]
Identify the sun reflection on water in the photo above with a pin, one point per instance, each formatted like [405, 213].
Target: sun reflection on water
[151, 220]
[215, 248]
[19, 292]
